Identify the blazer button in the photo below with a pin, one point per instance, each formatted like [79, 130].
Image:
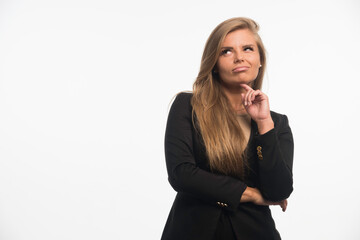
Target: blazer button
[259, 153]
[225, 205]
[218, 203]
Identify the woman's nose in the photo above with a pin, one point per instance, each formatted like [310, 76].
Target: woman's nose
[238, 57]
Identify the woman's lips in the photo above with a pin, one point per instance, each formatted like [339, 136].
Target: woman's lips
[240, 69]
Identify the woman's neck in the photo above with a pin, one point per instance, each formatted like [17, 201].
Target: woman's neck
[234, 97]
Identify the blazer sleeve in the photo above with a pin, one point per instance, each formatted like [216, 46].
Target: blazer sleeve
[275, 150]
[183, 173]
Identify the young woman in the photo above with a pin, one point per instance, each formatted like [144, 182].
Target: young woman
[228, 156]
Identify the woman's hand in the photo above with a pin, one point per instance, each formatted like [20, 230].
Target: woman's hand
[257, 106]
[253, 195]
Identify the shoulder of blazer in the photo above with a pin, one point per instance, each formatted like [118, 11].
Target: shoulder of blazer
[280, 120]
[183, 101]
[184, 96]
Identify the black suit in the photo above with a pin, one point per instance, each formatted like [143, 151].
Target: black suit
[204, 196]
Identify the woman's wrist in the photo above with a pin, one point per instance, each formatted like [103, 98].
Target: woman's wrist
[265, 125]
[247, 195]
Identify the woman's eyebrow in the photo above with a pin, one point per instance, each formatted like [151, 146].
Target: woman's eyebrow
[249, 45]
[245, 45]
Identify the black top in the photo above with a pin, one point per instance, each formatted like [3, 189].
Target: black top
[204, 197]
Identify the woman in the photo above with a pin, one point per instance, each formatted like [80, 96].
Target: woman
[228, 156]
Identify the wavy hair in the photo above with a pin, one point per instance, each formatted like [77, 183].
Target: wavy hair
[223, 137]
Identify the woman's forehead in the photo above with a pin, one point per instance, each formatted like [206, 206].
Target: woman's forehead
[239, 37]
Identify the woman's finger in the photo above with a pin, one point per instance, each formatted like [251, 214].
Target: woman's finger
[248, 97]
[255, 93]
[245, 98]
[283, 205]
[246, 87]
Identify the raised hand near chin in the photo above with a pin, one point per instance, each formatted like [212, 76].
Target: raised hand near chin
[257, 106]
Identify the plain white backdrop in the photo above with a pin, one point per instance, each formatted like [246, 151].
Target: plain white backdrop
[85, 88]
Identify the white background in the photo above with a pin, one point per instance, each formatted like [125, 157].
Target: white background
[85, 88]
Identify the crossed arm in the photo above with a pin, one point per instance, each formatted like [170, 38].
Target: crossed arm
[185, 176]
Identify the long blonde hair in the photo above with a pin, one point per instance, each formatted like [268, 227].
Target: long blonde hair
[223, 137]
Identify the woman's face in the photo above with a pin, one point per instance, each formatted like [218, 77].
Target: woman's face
[239, 60]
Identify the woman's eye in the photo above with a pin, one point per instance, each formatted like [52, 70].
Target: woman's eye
[225, 52]
[248, 49]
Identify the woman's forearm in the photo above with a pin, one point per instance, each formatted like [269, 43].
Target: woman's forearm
[254, 195]
[247, 195]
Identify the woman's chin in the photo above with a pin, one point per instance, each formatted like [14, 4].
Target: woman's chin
[247, 82]
[236, 83]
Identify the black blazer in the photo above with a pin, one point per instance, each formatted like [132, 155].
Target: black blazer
[203, 195]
